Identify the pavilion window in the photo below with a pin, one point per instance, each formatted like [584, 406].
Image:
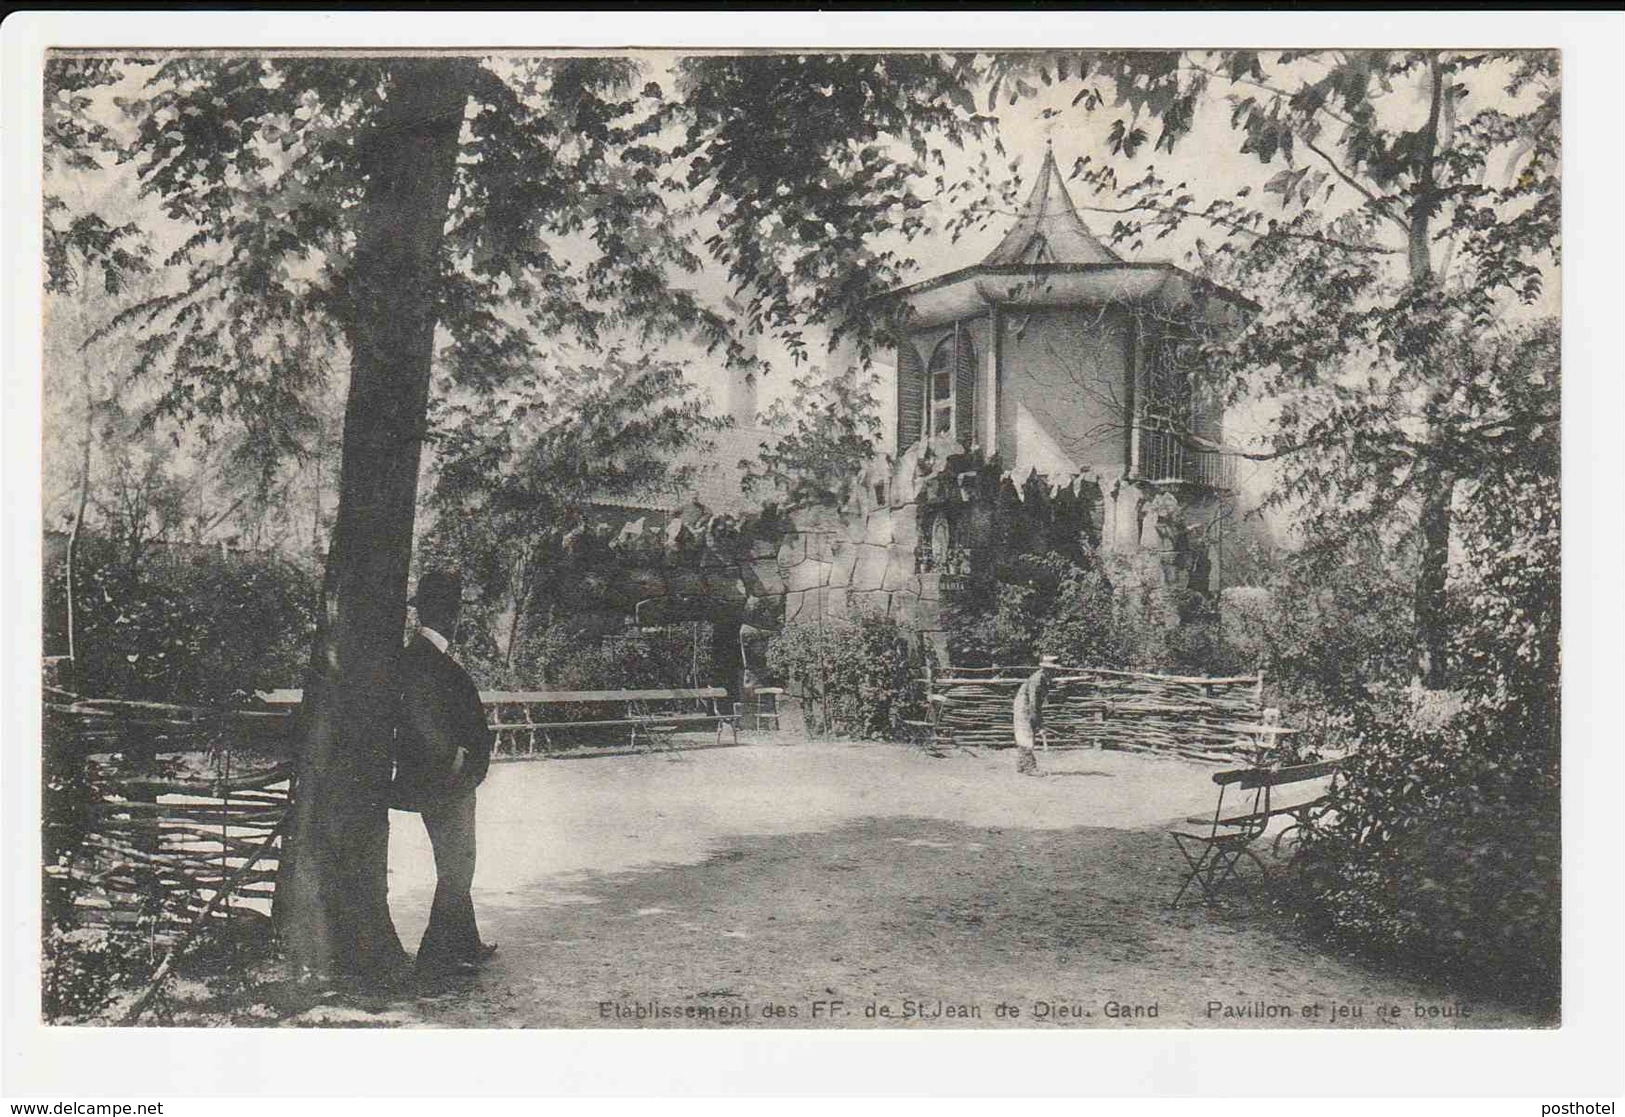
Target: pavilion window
[951, 382]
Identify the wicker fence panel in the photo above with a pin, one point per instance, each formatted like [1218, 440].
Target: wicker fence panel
[151, 809]
[1188, 716]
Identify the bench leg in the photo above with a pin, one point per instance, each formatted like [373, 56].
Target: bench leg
[1195, 865]
[1226, 867]
[1214, 866]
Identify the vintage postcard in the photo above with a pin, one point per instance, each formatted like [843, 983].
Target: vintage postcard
[906, 538]
[888, 526]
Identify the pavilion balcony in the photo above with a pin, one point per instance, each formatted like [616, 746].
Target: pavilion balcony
[1166, 456]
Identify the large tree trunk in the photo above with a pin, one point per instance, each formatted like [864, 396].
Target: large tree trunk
[332, 893]
[1436, 484]
[77, 531]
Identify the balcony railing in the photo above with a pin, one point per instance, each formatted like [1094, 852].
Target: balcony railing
[1168, 456]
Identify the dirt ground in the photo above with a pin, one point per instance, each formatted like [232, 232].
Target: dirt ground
[811, 884]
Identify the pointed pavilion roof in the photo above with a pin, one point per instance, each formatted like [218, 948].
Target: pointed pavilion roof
[1050, 259]
[1049, 230]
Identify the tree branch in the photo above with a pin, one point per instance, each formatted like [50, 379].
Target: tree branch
[1233, 80]
[1242, 228]
[1376, 199]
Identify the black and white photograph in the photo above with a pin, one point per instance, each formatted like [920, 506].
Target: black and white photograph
[1055, 538]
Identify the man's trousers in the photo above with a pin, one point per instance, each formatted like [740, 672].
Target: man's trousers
[452, 936]
[1026, 759]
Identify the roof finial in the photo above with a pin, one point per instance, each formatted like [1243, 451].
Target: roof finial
[1049, 229]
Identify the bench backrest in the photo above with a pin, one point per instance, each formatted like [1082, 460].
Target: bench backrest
[1248, 779]
[562, 697]
[542, 697]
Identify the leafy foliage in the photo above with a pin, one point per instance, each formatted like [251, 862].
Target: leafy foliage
[77, 245]
[519, 467]
[1509, 585]
[808, 163]
[1035, 600]
[825, 438]
[264, 160]
[183, 627]
[1049, 603]
[856, 678]
[84, 968]
[1444, 854]
[572, 654]
[1444, 851]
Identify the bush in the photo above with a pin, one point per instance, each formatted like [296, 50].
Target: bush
[1331, 633]
[574, 656]
[199, 629]
[82, 969]
[91, 974]
[1052, 604]
[1444, 854]
[1037, 604]
[856, 678]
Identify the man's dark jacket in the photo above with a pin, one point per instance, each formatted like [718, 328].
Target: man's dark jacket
[440, 712]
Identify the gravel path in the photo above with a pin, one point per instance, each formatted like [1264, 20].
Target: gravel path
[816, 885]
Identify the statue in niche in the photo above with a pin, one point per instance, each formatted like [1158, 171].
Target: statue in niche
[1161, 528]
[943, 554]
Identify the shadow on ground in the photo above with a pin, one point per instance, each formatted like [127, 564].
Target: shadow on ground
[916, 922]
[819, 885]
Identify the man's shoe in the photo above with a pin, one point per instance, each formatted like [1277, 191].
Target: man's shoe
[487, 949]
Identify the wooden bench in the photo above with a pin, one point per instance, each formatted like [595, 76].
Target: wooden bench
[653, 714]
[1213, 857]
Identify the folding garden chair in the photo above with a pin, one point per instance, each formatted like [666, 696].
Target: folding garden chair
[1212, 858]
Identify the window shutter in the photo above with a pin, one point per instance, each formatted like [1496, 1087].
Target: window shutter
[910, 395]
[965, 389]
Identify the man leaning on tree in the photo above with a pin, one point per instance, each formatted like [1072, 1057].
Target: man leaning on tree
[442, 752]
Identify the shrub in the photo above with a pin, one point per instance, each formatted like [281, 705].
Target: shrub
[84, 968]
[857, 678]
[1037, 604]
[1052, 604]
[1444, 853]
[1330, 636]
[1083, 627]
[574, 656]
[201, 628]
[999, 624]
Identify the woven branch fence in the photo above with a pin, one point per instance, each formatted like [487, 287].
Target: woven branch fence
[1194, 717]
[153, 809]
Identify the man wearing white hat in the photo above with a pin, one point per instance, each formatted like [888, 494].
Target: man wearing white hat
[1029, 716]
